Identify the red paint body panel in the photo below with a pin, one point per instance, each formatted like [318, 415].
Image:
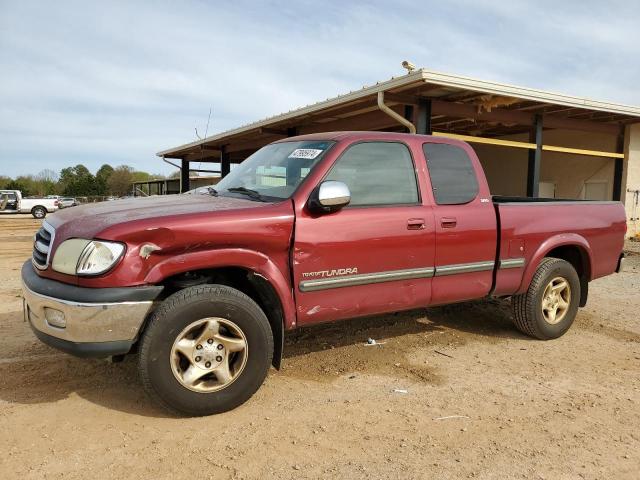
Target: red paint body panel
[283, 241]
[598, 228]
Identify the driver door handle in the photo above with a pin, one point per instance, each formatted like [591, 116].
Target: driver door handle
[415, 224]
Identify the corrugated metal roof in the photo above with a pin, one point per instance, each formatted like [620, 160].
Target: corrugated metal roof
[417, 78]
[495, 88]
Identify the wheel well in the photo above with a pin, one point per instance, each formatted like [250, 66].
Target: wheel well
[248, 282]
[579, 259]
[38, 206]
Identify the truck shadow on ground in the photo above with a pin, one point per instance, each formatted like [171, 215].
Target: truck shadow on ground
[325, 352]
[490, 319]
[39, 374]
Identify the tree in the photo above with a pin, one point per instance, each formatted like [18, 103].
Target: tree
[47, 175]
[77, 181]
[119, 182]
[24, 184]
[102, 179]
[4, 181]
[140, 176]
[45, 182]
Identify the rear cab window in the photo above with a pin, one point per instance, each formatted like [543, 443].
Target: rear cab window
[453, 178]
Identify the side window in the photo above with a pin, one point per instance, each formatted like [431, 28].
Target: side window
[377, 173]
[452, 176]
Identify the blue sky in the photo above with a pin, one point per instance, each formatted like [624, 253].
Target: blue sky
[115, 82]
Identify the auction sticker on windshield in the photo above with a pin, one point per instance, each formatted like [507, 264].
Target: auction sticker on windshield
[309, 153]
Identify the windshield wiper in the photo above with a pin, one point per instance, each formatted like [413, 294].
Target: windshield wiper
[212, 191]
[247, 191]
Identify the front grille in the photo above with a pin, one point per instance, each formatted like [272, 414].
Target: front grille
[41, 245]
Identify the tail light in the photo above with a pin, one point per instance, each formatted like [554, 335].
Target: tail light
[56, 203]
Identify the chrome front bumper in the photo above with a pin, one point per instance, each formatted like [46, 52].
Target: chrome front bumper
[84, 322]
[77, 325]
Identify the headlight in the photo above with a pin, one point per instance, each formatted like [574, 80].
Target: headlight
[86, 257]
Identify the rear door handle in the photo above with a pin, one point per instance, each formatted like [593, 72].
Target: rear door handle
[448, 222]
[415, 224]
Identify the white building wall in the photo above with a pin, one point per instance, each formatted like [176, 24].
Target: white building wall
[506, 167]
[631, 178]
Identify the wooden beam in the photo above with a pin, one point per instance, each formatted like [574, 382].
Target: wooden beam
[202, 157]
[459, 110]
[401, 98]
[249, 142]
[272, 131]
[210, 148]
[374, 120]
[366, 104]
[442, 122]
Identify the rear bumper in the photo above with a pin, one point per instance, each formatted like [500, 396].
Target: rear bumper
[87, 322]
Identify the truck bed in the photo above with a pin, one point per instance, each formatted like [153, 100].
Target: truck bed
[532, 228]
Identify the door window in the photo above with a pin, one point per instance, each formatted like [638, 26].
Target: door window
[453, 178]
[377, 173]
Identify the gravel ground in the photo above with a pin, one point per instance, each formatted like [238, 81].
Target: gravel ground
[476, 399]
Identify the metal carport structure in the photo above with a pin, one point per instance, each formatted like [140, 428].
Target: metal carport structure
[477, 111]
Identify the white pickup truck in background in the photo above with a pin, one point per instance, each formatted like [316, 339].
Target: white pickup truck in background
[11, 201]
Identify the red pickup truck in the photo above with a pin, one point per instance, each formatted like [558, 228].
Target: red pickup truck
[308, 229]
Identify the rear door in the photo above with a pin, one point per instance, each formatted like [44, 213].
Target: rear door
[8, 201]
[465, 224]
[373, 256]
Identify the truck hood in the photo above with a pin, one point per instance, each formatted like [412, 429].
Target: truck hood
[87, 221]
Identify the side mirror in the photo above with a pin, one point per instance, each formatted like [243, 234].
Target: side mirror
[330, 196]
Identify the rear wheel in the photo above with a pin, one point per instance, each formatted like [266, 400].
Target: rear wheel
[206, 350]
[39, 212]
[550, 305]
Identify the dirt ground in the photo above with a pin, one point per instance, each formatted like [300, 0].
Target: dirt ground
[477, 399]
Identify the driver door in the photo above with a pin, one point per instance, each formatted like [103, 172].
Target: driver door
[376, 255]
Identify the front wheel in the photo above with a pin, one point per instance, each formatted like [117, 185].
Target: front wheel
[550, 305]
[206, 350]
[39, 212]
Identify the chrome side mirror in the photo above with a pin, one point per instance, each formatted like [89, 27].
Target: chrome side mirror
[330, 196]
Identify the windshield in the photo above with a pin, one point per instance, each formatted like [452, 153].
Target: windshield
[275, 171]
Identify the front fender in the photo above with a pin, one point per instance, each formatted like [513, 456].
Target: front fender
[560, 240]
[248, 259]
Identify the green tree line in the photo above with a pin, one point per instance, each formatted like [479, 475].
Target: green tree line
[78, 181]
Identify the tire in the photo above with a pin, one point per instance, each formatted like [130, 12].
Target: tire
[39, 212]
[533, 315]
[163, 366]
